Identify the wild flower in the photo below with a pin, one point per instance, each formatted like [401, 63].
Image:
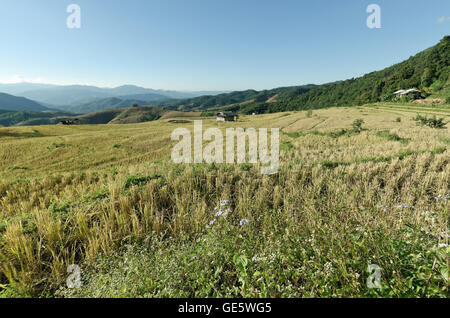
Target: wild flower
[219, 213]
[256, 258]
[243, 222]
[211, 223]
[442, 197]
[442, 245]
[328, 268]
[427, 213]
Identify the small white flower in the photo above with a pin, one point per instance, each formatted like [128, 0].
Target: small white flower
[211, 223]
[328, 268]
[243, 222]
[442, 197]
[427, 213]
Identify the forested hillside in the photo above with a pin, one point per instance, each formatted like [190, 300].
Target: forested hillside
[429, 71]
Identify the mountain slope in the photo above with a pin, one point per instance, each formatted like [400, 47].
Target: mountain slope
[15, 103]
[149, 97]
[428, 70]
[102, 104]
[30, 118]
[110, 116]
[233, 98]
[63, 95]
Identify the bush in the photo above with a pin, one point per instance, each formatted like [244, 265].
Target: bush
[432, 122]
[357, 125]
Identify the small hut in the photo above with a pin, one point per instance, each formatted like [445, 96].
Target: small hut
[404, 92]
[226, 116]
[69, 122]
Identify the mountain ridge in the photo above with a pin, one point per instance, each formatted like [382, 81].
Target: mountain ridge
[17, 103]
[58, 96]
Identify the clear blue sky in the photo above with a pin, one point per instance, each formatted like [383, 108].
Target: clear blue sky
[211, 44]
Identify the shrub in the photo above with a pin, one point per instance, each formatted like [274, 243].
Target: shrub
[357, 125]
[432, 122]
[139, 180]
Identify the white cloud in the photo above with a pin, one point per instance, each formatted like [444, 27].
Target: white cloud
[21, 79]
[443, 19]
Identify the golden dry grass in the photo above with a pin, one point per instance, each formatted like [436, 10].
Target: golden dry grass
[71, 193]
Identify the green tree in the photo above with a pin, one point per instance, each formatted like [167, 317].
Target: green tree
[427, 77]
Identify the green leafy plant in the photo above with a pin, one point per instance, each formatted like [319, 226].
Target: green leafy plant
[357, 125]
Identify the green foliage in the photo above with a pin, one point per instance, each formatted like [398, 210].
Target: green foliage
[436, 86]
[432, 122]
[287, 146]
[207, 114]
[269, 259]
[357, 125]
[140, 180]
[330, 164]
[392, 137]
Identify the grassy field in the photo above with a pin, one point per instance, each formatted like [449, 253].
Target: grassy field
[108, 198]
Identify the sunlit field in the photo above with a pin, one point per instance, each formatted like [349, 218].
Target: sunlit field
[109, 198]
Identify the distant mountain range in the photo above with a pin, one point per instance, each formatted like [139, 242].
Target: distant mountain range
[64, 97]
[428, 71]
[10, 102]
[107, 103]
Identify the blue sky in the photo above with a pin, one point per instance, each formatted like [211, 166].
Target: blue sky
[211, 44]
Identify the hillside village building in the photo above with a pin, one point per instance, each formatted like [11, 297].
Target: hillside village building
[404, 92]
[226, 116]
